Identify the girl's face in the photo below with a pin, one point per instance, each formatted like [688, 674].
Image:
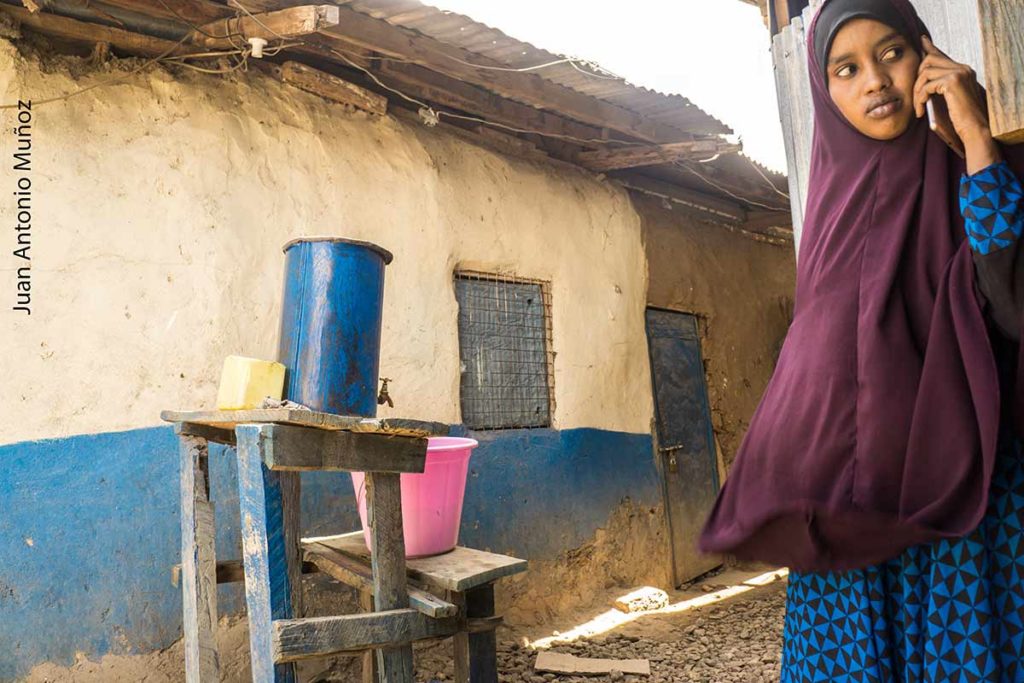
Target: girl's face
[871, 74]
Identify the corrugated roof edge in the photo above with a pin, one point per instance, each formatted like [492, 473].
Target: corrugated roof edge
[419, 20]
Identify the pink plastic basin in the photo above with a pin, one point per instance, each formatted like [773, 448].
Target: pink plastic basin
[431, 501]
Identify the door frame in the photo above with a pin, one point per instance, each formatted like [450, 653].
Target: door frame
[659, 459]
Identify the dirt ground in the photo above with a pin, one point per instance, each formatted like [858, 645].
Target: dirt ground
[725, 628]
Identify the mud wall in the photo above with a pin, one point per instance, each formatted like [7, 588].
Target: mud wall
[159, 207]
[742, 292]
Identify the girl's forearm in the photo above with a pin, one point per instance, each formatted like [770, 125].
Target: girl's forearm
[981, 150]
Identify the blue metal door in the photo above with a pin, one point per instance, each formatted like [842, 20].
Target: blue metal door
[684, 438]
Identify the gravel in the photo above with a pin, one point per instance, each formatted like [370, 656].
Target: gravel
[736, 642]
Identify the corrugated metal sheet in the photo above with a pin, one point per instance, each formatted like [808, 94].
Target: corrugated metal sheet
[460, 31]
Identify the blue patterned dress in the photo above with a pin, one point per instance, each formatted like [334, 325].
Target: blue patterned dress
[951, 611]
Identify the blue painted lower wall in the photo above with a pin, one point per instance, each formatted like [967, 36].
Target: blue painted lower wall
[89, 526]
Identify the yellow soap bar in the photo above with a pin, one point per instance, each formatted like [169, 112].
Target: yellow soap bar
[245, 382]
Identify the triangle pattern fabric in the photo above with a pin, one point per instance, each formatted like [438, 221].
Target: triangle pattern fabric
[992, 204]
[946, 612]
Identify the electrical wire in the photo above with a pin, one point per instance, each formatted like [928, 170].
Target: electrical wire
[451, 115]
[592, 74]
[198, 29]
[724, 189]
[167, 57]
[429, 113]
[108, 81]
[782, 194]
[242, 63]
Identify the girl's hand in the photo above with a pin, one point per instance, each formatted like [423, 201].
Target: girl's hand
[958, 85]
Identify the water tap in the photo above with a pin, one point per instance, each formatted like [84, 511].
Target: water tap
[383, 397]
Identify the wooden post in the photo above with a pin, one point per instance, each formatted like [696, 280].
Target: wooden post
[384, 515]
[198, 564]
[460, 642]
[1003, 42]
[370, 656]
[483, 646]
[270, 549]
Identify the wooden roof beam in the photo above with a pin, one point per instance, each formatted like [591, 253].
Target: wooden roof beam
[88, 32]
[293, 22]
[613, 158]
[524, 87]
[330, 87]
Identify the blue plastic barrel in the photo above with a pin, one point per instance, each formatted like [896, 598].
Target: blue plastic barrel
[330, 323]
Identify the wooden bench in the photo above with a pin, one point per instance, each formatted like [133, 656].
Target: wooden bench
[272, 447]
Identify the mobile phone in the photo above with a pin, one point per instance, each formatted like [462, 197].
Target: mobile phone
[940, 123]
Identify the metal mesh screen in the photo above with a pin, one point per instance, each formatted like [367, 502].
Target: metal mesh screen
[505, 351]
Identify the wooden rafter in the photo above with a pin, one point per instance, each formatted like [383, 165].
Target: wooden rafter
[612, 158]
[286, 23]
[524, 87]
[424, 68]
[331, 87]
[84, 31]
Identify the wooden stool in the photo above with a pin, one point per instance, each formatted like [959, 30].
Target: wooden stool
[465, 576]
[272, 447]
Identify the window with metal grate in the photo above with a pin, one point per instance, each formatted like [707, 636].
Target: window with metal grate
[504, 351]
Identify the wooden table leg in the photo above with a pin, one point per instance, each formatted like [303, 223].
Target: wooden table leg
[483, 646]
[270, 548]
[198, 564]
[460, 641]
[390, 591]
[370, 656]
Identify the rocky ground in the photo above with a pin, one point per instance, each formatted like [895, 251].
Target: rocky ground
[735, 640]
[710, 633]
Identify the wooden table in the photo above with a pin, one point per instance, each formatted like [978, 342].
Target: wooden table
[272, 447]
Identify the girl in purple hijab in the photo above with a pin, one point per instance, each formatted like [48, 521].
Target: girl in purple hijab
[882, 465]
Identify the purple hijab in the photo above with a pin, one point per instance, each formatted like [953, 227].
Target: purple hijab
[878, 428]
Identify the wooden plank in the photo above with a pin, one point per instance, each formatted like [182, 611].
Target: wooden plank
[458, 570]
[83, 31]
[292, 22]
[954, 28]
[215, 434]
[232, 571]
[384, 517]
[198, 561]
[483, 644]
[368, 670]
[293, 448]
[298, 639]
[331, 87]
[796, 111]
[191, 11]
[269, 517]
[524, 87]
[611, 158]
[359, 575]
[1002, 23]
[555, 662]
[229, 419]
[460, 642]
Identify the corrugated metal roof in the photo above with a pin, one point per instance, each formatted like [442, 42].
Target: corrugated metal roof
[465, 33]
